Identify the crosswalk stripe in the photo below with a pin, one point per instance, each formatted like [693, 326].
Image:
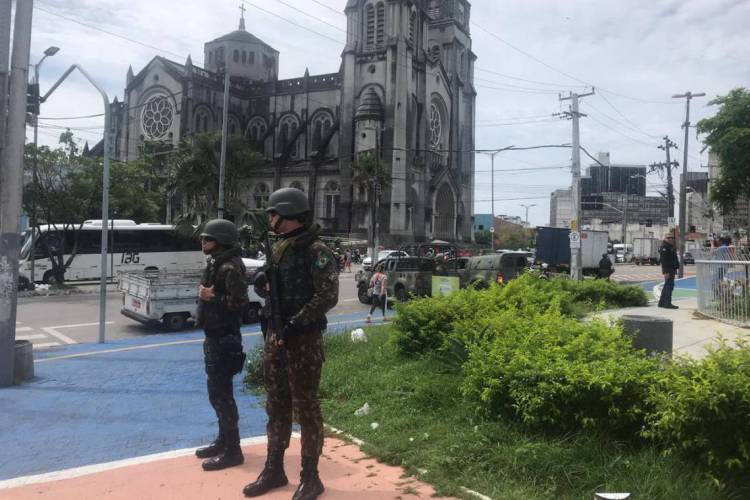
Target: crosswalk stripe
[36, 336]
[46, 344]
[24, 329]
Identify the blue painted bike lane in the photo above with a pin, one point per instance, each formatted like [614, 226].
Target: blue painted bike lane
[97, 403]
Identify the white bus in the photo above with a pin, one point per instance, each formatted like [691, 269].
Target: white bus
[131, 247]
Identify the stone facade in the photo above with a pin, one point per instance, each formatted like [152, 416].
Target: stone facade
[405, 90]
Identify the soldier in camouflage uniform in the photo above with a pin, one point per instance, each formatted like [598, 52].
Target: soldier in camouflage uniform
[223, 295]
[308, 288]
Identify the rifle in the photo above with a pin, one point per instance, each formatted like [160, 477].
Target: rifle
[271, 275]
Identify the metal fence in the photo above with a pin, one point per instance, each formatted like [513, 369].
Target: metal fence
[723, 284]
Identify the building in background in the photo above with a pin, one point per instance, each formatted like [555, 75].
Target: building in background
[404, 89]
[561, 208]
[482, 222]
[736, 221]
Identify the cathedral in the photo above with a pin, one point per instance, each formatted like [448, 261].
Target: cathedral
[404, 90]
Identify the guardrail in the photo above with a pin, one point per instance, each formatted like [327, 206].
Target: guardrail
[723, 284]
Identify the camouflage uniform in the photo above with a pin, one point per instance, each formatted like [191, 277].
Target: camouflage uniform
[221, 318]
[308, 288]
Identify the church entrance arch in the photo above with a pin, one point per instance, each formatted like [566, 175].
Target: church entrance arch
[445, 213]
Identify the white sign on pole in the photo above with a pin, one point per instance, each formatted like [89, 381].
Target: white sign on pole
[671, 222]
[575, 239]
[492, 229]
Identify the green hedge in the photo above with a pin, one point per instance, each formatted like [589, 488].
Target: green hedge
[555, 373]
[702, 409]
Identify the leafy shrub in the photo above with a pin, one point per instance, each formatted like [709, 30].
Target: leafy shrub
[702, 409]
[556, 373]
[254, 368]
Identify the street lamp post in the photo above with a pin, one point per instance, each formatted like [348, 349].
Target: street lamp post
[51, 51]
[527, 207]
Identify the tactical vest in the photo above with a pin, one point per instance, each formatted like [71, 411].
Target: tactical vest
[214, 316]
[295, 279]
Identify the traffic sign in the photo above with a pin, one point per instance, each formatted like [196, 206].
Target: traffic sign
[671, 222]
[492, 229]
[575, 239]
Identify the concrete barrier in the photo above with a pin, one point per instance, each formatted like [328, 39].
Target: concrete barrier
[23, 368]
[649, 332]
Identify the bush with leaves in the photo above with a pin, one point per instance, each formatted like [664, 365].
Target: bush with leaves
[555, 373]
[702, 409]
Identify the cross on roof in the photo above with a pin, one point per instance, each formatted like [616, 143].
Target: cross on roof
[242, 8]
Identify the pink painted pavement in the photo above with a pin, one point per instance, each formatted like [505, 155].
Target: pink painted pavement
[346, 472]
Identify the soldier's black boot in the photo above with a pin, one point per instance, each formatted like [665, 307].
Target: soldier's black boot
[230, 456]
[272, 476]
[310, 486]
[212, 449]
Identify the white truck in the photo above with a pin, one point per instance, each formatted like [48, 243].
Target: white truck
[171, 299]
[645, 251]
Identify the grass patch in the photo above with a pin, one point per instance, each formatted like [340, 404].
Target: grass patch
[425, 424]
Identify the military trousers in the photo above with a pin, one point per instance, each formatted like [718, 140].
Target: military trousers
[219, 354]
[292, 377]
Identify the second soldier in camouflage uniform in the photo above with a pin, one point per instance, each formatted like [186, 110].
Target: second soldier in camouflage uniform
[307, 288]
[223, 295]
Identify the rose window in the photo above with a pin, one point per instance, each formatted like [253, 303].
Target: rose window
[436, 127]
[157, 117]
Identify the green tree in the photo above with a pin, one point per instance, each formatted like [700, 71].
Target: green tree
[483, 237]
[511, 236]
[728, 135]
[370, 173]
[68, 191]
[194, 173]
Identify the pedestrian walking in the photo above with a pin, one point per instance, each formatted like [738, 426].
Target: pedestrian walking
[378, 287]
[303, 271]
[605, 268]
[670, 263]
[222, 296]
[348, 261]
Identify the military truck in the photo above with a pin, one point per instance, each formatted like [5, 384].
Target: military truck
[409, 276]
[499, 268]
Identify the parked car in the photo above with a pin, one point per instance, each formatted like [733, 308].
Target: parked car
[688, 258]
[367, 262]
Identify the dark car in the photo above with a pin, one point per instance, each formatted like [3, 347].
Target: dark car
[688, 259]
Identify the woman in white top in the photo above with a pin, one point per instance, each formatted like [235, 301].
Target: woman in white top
[378, 284]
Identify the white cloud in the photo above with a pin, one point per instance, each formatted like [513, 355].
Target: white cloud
[643, 49]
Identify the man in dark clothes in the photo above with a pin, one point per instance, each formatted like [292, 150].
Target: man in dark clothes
[223, 295]
[605, 267]
[670, 263]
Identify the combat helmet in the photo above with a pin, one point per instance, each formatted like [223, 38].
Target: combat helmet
[223, 231]
[288, 202]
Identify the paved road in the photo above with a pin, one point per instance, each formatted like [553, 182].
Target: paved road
[633, 273]
[55, 321]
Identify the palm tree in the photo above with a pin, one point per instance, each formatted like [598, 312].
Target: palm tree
[194, 173]
[370, 174]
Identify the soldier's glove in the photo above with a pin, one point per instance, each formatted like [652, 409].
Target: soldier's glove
[259, 283]
[292, 328]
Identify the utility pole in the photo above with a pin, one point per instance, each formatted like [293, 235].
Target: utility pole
[576, 271]
[668, 144]
[11, 183]
[224, 127]
[683, 179]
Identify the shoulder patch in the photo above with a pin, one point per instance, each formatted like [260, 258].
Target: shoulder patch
[323, 260]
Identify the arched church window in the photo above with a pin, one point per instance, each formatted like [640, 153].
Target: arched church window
[157, 117]
[233, 126]
[331, 195]
[435, 52]
[321, 127]
[236, 56]
[220, 56]
[211, 57]
[288, 131]
[260, 195]
[244, 57]
[436, 127]
[380, 38]
[256, 131]
[370, 26]
[201, 121]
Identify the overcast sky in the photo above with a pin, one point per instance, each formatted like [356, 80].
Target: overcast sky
[636, 53]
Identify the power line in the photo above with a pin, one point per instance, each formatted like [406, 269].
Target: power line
[117, 35]
[311, 16]
[293, 22]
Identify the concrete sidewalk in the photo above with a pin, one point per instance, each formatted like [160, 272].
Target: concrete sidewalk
[95, 413]
[692, 332]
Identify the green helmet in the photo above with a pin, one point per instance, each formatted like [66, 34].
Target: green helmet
[223, 231]
[288, 202]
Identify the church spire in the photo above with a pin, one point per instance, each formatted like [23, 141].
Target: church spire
[242, 17]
